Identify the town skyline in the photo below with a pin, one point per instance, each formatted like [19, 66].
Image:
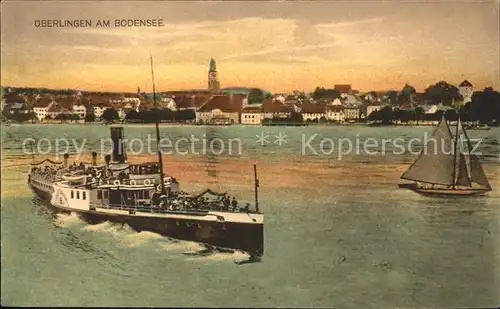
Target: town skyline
[371, 45]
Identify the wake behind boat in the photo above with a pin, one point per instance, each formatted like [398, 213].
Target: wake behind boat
[443, 169]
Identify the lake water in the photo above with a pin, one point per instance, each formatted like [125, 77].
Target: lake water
[338, 233]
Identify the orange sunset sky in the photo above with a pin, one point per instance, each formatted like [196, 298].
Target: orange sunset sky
[278, 46]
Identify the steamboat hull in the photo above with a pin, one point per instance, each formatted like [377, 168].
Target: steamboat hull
[44, 195]
[247, 237]
[228, 235]
[42, 190]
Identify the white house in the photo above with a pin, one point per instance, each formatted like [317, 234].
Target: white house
[41, 107]
[313, 111]
[466, 90]
[372, 108]
[352, 113]
[335, 113]
[99, 110]
[252, 115]
[80, 110]
[41, 112]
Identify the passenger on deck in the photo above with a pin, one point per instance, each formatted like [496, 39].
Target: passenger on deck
[130, 201]
[164, 201]
[247, 207]
[155, 199]
[234, 203]
[175, 203]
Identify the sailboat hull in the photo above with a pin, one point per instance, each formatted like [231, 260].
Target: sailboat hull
[443, 192]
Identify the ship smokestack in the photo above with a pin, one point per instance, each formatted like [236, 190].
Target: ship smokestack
[118, 155]
[94, 158]
[66, 156]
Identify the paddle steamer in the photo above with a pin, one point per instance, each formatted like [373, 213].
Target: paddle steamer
[141, 196]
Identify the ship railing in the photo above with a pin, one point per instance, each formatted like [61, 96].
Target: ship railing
[145, 208]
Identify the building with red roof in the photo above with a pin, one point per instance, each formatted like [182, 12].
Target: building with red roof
[343, 89]
[274, 109]
[311, 111]
[221, 109]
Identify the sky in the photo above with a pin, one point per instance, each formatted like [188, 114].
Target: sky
[279, 46]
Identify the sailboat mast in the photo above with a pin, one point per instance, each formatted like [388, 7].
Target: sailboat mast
[455, 152]
[160, 159]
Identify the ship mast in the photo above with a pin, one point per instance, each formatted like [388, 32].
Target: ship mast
[455, 152]
[256, 182]
[157, 126]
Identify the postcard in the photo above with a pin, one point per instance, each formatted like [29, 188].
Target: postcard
[329, 154]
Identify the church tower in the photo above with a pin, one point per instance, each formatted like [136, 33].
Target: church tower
[213, 79]
[466, 90]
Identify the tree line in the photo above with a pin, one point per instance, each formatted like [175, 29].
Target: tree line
[441, 92]
[484, 108]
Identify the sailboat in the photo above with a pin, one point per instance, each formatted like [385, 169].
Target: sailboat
[443, 169]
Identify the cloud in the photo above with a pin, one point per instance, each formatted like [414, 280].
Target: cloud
[306, 33]
[354, 23]
[291, 53]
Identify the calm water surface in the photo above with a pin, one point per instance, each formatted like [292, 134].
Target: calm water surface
[357, 243]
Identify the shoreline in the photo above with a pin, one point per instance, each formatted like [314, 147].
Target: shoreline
[127, 124]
